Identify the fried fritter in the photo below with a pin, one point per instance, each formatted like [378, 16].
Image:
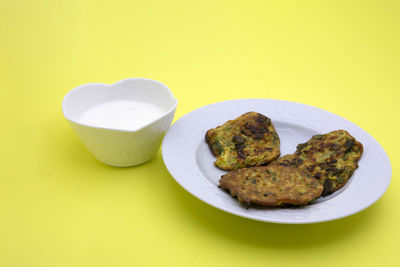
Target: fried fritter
[272, 185]
[249, 140]
[331, 158]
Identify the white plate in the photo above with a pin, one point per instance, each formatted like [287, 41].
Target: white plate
[190, 161]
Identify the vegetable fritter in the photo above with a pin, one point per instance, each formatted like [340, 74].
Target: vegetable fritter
[249, 140]
[331, 158]
[272, 185]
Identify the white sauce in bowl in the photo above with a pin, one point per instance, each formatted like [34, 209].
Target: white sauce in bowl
[121, 114]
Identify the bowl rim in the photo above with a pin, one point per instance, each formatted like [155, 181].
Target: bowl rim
[82, 86]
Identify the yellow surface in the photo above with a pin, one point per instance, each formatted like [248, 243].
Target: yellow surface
[60, 207]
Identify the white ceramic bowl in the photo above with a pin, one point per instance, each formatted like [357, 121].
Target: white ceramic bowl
[118, 147]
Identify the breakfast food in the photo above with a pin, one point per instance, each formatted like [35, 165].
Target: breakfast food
[331, 158]
[249, 140]
[319, 167]
[272, 185]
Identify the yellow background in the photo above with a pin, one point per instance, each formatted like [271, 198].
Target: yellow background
[60, 207]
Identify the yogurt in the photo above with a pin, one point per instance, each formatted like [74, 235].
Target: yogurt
[121, 114]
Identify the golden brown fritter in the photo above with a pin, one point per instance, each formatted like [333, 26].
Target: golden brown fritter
[272, 185]
[249, 140]
[331, 158]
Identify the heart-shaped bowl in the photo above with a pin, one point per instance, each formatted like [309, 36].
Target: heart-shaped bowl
[114, 146]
